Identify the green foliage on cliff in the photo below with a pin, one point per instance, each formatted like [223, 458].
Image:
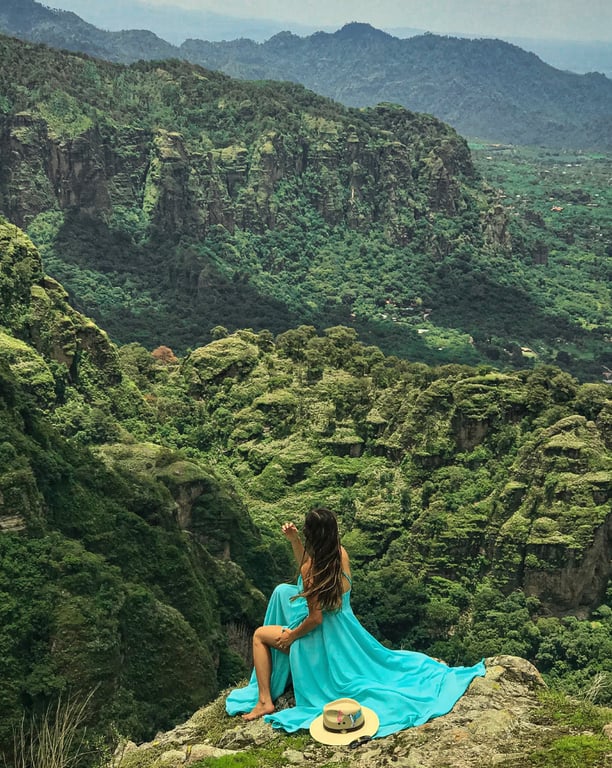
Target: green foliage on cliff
[141, 496]
[485, 88]
[475, 504]
[169, 199]
[469, 499]
[101, 590]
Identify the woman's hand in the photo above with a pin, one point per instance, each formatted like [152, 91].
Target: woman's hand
[290, 531]
[284, 640]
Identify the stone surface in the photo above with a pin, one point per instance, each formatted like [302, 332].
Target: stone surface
[11, 523]
[172, 757]
[493, 724]
[246, 734]
[197, 752]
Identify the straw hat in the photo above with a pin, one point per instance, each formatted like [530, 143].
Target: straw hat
[344, 721]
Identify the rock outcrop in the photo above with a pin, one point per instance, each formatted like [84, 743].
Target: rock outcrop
[500, 721]
[566, 565]
[184, 171]
[37, 310]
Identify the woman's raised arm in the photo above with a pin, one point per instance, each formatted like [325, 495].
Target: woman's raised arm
[291, 532]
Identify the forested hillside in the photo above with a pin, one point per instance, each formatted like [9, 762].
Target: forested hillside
[484, 88]
[169, 199]
[101, 591]
[40, 23]
[141, 496]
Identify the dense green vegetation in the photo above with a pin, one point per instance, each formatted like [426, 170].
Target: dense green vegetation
[457, 488]
[559, 205]
[486, 88]
[141, 496]
[176, 199]
[100, 589]
[141, 492]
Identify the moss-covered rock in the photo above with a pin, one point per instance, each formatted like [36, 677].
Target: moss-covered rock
[232, 356]
[507, 718]
[30, 369]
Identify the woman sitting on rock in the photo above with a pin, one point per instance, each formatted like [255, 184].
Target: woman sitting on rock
[311, 632]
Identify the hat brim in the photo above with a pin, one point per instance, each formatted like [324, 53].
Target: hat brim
[337, 738]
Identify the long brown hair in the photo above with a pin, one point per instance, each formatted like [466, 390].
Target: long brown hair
[323, 582]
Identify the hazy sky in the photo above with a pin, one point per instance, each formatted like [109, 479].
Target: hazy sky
[570, 19]
[562, 19]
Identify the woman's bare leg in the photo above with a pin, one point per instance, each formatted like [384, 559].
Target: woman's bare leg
[263, 640]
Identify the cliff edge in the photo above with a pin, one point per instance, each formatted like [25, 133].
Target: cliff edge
[508, 719]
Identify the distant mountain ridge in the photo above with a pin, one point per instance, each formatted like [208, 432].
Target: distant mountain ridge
[484, 88]
[29, 20]
[176, 24]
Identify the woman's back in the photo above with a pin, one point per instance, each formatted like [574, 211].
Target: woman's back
[345, 575]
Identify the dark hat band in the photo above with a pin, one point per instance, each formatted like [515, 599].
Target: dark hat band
[354, 718]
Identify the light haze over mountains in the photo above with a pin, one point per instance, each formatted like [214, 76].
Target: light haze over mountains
[485, 88]
[563, 37]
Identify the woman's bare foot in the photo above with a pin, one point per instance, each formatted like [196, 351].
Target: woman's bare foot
[259, 710]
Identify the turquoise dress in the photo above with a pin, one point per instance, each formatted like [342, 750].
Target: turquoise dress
[340, 658]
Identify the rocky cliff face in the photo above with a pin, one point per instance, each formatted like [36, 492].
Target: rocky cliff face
[353, 176]
[552, 553]
[42, 171]
[502, 721]
[187, 157]
[36, 308]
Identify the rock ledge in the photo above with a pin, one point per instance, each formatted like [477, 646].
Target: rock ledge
[494, 725]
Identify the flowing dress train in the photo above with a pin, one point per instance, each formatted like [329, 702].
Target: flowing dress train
[340, 658]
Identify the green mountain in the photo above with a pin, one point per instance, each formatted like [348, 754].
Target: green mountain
[29, 20]
[141, 496]
[485, 88]
[101, 589]
[169, 199]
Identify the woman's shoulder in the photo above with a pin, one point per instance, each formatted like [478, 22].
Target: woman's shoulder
[305, 569]
[346, 561]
